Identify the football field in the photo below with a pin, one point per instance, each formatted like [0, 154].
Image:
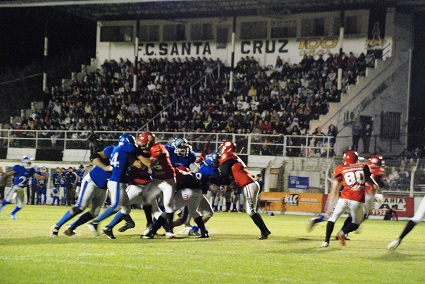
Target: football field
[232, 254]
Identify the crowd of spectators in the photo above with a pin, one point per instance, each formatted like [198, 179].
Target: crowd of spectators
[280, 99]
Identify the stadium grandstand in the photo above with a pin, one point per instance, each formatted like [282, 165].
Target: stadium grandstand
[286, 80]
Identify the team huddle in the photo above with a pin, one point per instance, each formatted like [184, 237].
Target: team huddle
[162, 179]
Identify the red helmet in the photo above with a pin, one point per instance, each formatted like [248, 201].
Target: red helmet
[146, 140]
[227, 146]
[375, 161]
[350, 157]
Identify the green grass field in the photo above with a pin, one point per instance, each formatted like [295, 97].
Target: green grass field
[232, 254]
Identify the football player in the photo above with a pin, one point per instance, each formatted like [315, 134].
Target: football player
[122, 157]
[93, 194]
[416, 219]
[233, 169]
[352, 175]
[21, 173]
[156, 157]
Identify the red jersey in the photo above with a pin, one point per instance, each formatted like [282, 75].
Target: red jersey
[160, 163]
[138, 176]
[353, 178]
[377, 174]
[238, 169]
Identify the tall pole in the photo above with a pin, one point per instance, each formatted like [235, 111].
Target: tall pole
[46, 45]
[136, 55]
[341, 41]
[232, 62]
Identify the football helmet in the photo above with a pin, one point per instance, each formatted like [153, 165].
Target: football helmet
[350, 157]
[212, 159]
[375, 161]
[26, 161]
[146, 140]
[181, 147]
[227, 146]
[126, 139]
[43, 169]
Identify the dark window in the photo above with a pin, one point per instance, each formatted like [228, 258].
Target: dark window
[116, 34]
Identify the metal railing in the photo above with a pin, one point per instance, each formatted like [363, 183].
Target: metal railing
[247, 144]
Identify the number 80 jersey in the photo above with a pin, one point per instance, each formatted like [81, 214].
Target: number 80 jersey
[353, 178]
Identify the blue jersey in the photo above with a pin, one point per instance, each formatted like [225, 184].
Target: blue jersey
[205, 172]
[22, 175]
[100, 177]
[177, 161]
[42, 183]
[56, 179]
[119, 161]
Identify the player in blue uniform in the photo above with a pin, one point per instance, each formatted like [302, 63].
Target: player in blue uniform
[181, 153]
[22, 174]
[56, 177]
[93, 193]
[42, 186]
[122, 156]
[80, 175]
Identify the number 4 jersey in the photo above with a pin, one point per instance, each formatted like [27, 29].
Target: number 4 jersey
[353, 178]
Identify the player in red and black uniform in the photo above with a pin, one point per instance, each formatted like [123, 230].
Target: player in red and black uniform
[353, 176]
[188, 194]
[157, 158]
[232, 168]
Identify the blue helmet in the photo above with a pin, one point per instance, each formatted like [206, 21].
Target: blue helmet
[181, 146]
[26, 161]
[212, 159]
[126, 139]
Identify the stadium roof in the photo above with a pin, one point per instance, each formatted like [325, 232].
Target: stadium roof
[107, 10]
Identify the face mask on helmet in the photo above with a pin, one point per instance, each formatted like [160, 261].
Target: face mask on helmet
[26, 161]
[181, 147]
[146, 140]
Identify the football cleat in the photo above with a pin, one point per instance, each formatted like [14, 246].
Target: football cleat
[394, 244]
[69, 232]
[265, 235]
[345, 237]
[54, 231]
[93, 228]
[126, 227]
[204, 235]
[147, 230]
[194, 233]
[108, 232]
[13, 216]
[325, 245]
[341, 238]
[169, 235]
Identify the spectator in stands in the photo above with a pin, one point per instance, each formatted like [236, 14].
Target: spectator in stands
[403, 180]
[252, 94]
[393, 178]
[357, 129]
[366, 137]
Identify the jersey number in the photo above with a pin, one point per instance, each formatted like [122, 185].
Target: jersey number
[351, 178]
[114, 161]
